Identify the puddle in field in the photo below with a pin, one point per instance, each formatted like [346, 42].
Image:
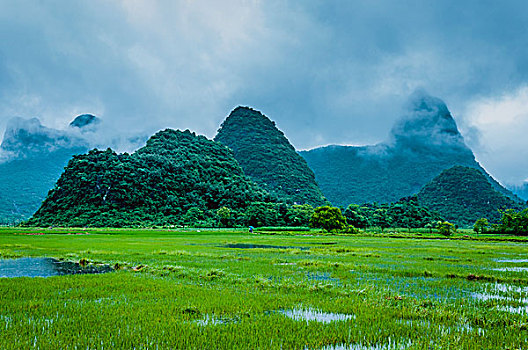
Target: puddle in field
[512, 260]
[45, 267]
[262, 246]
[494, 291]
[461, 327]
[511, 269]
[509, 288]
[209, 320]
[521, 310]
[486, 296]
[315, 315]
[322, 277]
[359, 346]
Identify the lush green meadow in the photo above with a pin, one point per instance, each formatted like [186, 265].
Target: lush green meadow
[219, 289]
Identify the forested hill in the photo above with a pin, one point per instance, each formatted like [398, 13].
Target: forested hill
[463, 195]
[177, 177]
[268, 158]
[423, 143]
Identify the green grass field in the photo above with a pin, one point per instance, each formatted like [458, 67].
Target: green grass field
[297, 291]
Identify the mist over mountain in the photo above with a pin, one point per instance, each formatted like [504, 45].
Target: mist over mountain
[32, 157]
[85, 122]
[423, 142]
[268, 158]
[521, 190]
[26, 138]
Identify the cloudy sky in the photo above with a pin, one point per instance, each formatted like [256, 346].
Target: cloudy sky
[326, 71]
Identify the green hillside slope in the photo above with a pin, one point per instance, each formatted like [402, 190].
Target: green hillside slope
[268, 158]
[176, 177]
[463, 195]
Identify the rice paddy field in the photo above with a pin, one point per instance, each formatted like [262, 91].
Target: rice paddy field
[231, 289]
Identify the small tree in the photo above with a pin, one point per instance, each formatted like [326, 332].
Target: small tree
[329, 219]
[381, 219]
[224, 214]
[446, 228]
[261, 214]
[481, 226]
[193, 216]
[356, 216]
[429, 227]
[299, 215]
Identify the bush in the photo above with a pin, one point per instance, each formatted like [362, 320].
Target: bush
[329, 219]
[446, 228]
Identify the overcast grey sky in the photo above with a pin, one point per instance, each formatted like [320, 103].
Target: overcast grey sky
[325, 71]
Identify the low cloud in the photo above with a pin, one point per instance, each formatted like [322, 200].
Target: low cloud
[501, 124]
[326, 72]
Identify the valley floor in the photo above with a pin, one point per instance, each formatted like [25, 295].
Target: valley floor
[229, 289]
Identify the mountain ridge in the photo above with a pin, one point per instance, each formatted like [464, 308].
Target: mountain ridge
[423, 143]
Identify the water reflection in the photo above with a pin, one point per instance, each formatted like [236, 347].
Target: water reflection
[261, 246]
[315, 315]
[45, 267]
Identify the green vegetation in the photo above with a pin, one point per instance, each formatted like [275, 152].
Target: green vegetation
[329, 219]
[446, 228]
[405, 213]
[177, 178]
[513, 222]
[268, 158]
[463, 195]
[189, 290]
[481, 225]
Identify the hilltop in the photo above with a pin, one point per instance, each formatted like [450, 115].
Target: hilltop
[268, 158]
[463, 195]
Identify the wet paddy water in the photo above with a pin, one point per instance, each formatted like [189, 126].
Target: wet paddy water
[261, 246]
[307, 315]
[46, 267]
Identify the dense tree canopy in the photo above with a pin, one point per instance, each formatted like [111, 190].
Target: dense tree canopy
[407, 212]
[329, 219]
[177, 178]
[268, 158]
[463, 195]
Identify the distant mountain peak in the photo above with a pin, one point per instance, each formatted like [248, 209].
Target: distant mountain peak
[463, 195]
[424, 142]
[85, 121]
[268, 158]
[28, 136]
[250, 115]
[426, 122]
